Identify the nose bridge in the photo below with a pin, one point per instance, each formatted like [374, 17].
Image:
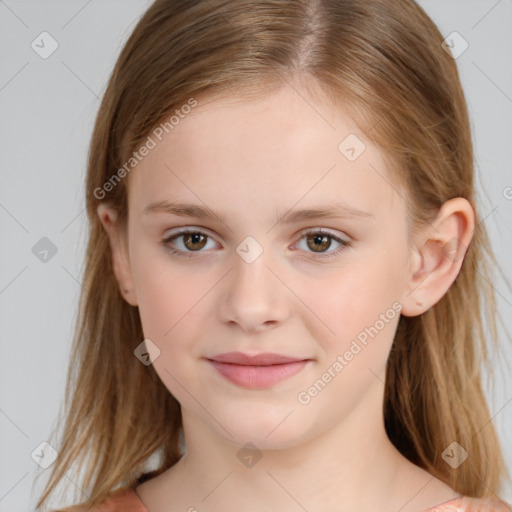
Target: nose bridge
[253, 296]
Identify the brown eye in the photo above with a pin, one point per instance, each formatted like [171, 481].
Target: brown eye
[318, 242]
[194, 241]
[321, 243]
[188, 242]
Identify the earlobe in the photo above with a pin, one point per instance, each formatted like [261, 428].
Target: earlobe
[120, 262]
[438, 257]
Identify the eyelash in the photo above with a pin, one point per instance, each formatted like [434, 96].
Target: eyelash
[190, 254]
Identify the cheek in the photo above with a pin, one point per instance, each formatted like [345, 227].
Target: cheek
[175, 300]
[164, 291]
[169, 298]
[353, 295]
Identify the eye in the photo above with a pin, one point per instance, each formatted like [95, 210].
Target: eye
[319, 241]
[187, 242]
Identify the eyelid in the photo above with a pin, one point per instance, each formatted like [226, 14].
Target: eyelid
[206, 231]
[180, 230]
[325, 231]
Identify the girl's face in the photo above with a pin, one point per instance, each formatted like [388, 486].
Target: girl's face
[264, 273]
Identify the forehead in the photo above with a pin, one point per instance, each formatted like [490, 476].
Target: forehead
[266, 153]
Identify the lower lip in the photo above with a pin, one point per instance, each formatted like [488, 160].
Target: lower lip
[258, 377]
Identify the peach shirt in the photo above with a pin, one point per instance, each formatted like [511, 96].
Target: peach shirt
[126, 500]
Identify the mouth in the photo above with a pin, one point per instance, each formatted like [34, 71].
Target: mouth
[256, 371]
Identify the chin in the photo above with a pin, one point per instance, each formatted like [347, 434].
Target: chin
[266, 427]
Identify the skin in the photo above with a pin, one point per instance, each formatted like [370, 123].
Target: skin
[248, 159]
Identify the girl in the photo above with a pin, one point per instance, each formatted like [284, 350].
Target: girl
[283, 294]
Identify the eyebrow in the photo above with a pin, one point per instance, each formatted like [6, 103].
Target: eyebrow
[335, 210]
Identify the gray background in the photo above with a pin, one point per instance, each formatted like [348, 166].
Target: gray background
[47, 109]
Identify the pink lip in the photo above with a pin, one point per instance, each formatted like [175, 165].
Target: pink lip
[257, 371]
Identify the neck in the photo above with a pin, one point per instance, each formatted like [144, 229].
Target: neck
[349, 467]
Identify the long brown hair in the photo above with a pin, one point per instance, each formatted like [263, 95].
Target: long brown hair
[382, 59]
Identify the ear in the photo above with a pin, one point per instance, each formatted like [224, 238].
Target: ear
[438, 255]
[120, 261]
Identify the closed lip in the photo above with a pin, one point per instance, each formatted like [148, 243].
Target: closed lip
[264, 359]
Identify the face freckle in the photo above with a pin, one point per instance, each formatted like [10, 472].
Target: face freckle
[240, 172]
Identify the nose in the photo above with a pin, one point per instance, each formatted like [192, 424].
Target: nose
[253, 297]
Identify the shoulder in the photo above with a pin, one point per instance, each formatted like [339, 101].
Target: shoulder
[121, 500]
[468, 504]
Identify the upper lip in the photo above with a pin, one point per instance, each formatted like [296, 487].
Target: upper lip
[265, 359]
